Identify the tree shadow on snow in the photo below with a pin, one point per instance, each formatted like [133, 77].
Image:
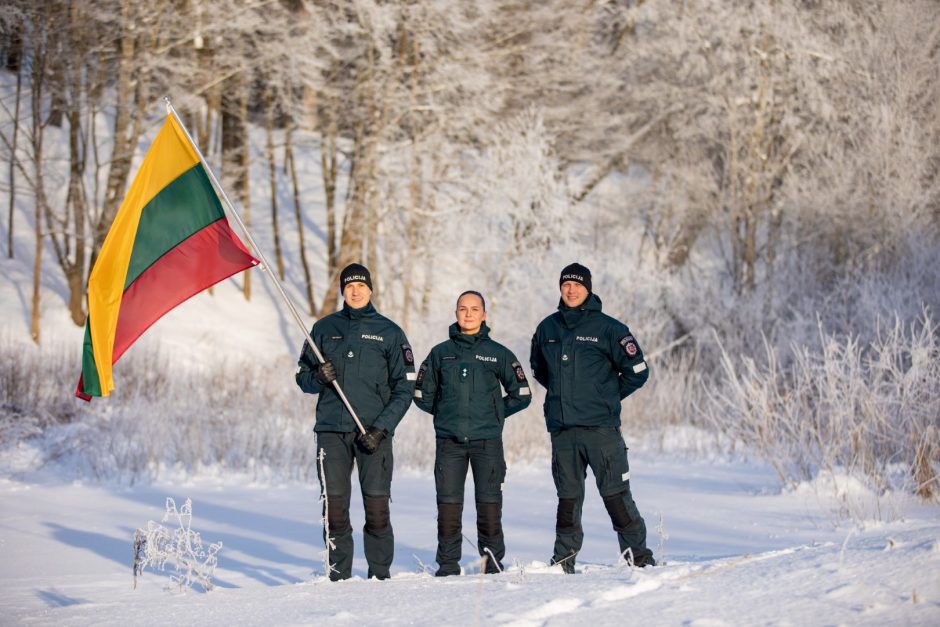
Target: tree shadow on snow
[53, 598]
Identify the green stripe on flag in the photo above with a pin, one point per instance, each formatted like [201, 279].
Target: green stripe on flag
[185, 206]
[90, 382]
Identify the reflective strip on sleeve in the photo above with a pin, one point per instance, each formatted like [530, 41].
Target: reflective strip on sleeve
[523, 391]
[418, 394]
[412, 376]
[640, 367]
[625, 476]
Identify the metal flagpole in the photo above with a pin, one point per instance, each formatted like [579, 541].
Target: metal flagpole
[264, 262]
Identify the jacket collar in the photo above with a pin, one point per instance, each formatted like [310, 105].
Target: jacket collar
[573, 316]
[462, 339]
[364, 312]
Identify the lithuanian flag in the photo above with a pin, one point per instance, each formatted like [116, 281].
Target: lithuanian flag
[169, 241]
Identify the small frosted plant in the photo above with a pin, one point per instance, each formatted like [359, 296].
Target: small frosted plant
[182, 548]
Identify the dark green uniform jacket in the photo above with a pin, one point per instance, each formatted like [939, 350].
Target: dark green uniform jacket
[588, 362]
[460, 381]
[374, 367]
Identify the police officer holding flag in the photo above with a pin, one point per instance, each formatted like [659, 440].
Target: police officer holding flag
[370, 358]
[588, 362]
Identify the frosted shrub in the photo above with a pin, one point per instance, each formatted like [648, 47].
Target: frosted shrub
[182, 548]
[240, 416]
[859, 405]
[31, 396]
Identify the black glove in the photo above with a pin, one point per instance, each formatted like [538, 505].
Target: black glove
[370, 440]
[326, 373]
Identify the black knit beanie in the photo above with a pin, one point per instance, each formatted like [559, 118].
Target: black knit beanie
[352, 273]
[576, 272]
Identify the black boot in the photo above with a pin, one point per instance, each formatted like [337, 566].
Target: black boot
[566, 563]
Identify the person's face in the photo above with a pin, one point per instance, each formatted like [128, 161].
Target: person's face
[573, 293]
[357, 294]
[470, 314]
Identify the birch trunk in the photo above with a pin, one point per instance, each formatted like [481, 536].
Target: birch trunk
[298, 215]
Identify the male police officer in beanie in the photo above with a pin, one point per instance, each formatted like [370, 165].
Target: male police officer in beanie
[460, 383]
[370, 357]
[588, 362]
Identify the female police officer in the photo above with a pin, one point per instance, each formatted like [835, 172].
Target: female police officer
[459, 383]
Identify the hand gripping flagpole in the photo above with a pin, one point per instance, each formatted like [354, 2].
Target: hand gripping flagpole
[264, 262]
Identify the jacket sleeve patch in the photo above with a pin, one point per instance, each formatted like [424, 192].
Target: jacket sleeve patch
[423, 370]
[407, 355]
[629, 345]
[517, 369]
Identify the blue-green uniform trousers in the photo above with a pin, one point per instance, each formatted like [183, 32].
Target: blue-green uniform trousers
[487, 462]
[601, 448]
[375, 481]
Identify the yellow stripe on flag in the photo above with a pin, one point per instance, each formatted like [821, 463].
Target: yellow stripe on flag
[169, 156]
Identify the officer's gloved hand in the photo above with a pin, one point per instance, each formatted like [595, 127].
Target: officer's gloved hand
[326, 373]
[370, 439]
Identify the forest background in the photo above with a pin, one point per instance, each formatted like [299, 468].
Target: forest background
[753, 184]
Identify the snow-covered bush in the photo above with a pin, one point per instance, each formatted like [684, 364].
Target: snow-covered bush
[181, 547]
[242, 417]
[859, 404]
[28, 403]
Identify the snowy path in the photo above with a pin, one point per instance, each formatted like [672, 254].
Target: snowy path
[737, 553]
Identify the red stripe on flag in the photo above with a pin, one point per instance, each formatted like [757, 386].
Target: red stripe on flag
[208, 256]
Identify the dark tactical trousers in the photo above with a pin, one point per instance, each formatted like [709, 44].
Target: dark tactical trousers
[485, 458]
[601, 448]
[375, 480]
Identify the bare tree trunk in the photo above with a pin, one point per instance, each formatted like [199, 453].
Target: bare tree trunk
[122, 148]
[411, 233]
[246, 179]
[76, 200]
[13, 157]
[351, 236]
[328, 152]
[272, 177]
[37, 268]
[411, 56]
[235, 151]
[298, 214]
[41, 208]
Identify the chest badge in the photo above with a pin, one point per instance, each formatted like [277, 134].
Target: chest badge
[349, 354]
[564, 357]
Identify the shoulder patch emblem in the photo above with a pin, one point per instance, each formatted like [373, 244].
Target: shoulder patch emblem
[629, 345]
[423, 370]
[520, 373]
[408, 355]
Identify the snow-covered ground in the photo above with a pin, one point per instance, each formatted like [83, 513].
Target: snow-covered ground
[736, 551]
